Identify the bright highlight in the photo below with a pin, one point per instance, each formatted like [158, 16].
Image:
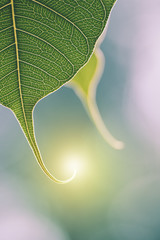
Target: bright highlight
[74, 163]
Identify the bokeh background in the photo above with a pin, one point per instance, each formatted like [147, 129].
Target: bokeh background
[116, 194]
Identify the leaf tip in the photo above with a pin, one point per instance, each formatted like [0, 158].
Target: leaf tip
[118, 145]
[54, 179]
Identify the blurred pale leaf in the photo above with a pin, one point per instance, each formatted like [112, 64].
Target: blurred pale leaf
[85, 84]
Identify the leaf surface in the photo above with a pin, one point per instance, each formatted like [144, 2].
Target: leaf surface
[84, 84]
[43, 43]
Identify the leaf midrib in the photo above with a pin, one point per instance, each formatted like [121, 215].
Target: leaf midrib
[19, 78]
[36, 151]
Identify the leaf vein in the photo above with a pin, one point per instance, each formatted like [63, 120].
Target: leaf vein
[39, 69]
[34, 54]
[7, 47]
[8, 74]
[6, 29]
[5, 6]
[73, 24]
[49, 45]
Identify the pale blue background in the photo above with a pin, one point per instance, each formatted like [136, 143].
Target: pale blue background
[118, 195]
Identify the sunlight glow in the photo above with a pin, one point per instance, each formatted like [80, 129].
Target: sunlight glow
[74, 162]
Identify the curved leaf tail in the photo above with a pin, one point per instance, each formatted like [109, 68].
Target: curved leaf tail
[39, 159]
[28, 129]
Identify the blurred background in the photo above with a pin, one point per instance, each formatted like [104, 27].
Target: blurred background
[116, 194]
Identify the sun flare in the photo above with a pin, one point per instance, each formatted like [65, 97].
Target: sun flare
[74, 162]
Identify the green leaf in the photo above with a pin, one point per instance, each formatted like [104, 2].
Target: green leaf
[43, 44]
[85, 84]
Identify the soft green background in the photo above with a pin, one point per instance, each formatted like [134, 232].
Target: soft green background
[116, 194]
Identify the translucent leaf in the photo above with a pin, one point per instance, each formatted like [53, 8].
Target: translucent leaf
[43, 44]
